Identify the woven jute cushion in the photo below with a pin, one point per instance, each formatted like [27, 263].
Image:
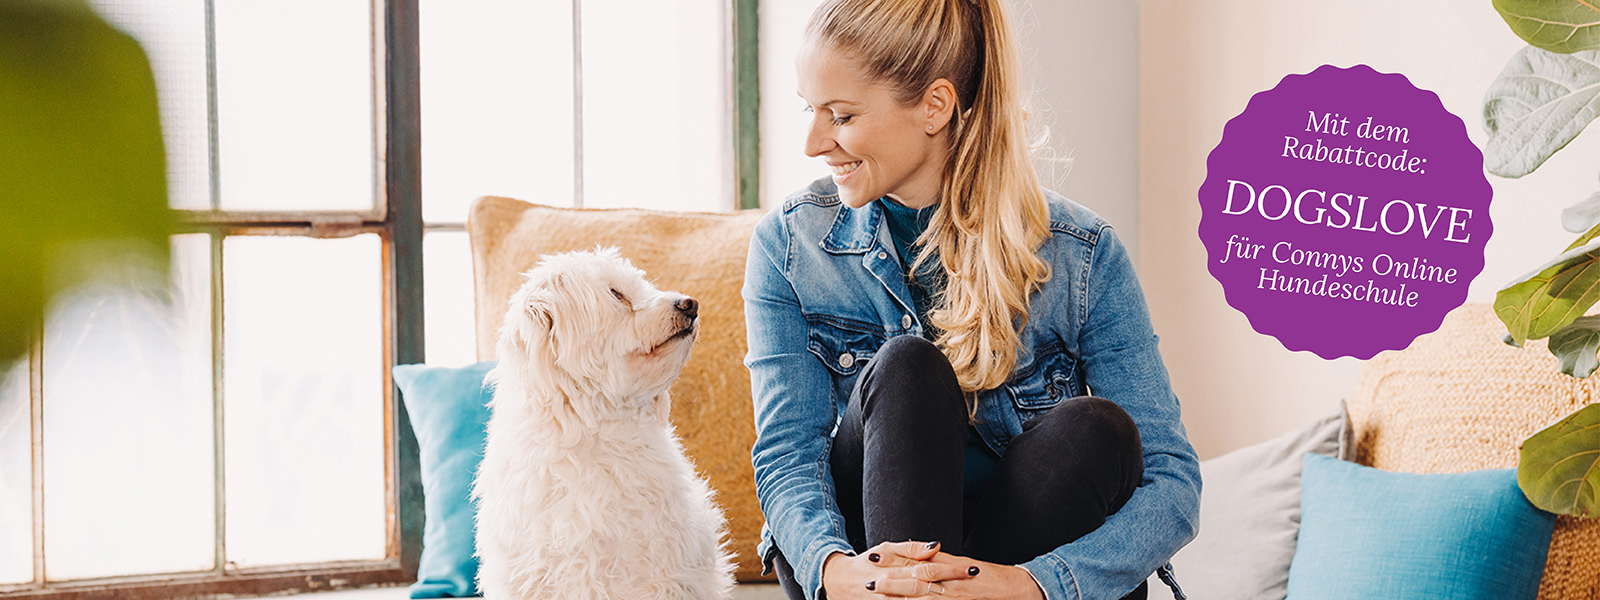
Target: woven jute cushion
[699, 254]
[1461, 400]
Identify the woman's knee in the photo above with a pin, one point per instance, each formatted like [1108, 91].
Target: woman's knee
[904, 353]
[1099, 427]
[1098, 417]
[909, 370]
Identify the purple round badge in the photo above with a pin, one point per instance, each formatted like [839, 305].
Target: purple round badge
[1345, 212]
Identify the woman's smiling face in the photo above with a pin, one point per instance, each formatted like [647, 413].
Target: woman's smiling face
[873, 144]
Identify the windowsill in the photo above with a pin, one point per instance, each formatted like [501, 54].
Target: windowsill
[386, 593]
[748, 591]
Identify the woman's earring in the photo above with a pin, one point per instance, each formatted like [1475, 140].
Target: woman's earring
[930, 127]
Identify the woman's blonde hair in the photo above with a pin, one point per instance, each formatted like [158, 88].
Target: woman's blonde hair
[992, 215]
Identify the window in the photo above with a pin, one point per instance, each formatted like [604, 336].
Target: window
[232, 431]
[235, 430]
[641, 121]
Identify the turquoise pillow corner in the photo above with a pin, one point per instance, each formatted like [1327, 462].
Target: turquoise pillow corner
[448, 413]
[1367, 533]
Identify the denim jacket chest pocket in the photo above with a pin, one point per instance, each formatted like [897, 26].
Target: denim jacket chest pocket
[1037, 388]
[844, 346]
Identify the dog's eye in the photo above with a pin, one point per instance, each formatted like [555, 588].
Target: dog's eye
[619, 296]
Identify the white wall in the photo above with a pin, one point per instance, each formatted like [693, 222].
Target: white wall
[785, 169]
[1082, 58]
[1199, 64]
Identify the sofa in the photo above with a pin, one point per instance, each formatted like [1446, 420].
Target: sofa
[1455, 400]
[1459, 399]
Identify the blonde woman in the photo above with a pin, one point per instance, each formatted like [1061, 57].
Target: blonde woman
[925, 327]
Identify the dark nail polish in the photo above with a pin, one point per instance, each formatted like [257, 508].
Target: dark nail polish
[932, 545]
[873, 557]
[872, 585]
[972, 571]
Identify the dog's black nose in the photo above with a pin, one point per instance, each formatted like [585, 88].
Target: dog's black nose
[689, 306]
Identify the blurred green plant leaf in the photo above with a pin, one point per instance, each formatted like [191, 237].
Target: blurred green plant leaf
[1552, 296]
[1577, 346]
[1559, 467]
[81, 154]
[1540, 101]
[1563, 26]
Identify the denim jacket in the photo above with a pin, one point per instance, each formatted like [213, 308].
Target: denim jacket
[824, 290]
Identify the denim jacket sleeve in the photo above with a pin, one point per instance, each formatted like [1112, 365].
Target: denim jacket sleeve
[794, 412]
[1121, 364]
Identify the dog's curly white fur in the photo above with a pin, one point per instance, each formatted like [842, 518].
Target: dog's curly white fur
[584, 491]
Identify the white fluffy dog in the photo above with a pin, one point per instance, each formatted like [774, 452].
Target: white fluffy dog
[584, 491]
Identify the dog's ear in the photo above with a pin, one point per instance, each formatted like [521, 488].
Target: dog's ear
[541, 323]
[526, 330]
[541, 313]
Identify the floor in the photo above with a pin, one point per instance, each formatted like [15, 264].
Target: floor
[755, 591]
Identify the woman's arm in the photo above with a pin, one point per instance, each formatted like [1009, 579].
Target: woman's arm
[1122, 364]
[794, 413]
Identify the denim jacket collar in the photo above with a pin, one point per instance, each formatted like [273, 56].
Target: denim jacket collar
[854, 230]
[859, 231]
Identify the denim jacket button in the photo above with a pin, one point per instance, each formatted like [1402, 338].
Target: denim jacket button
[847, 360]
[883, 255]
[905, 322]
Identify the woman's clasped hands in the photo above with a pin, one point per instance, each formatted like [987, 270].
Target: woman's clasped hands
[919, 570]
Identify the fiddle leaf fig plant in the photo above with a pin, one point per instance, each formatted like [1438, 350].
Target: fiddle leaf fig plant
[1559, 469]
[1547, 300]
[1577, 344]
[1540, 101]
[1557, 26]
[1547, 94]
[81, 155]
[1582, 216]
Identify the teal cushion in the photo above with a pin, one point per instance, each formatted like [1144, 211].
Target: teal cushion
[1366, 533]
[448, 413]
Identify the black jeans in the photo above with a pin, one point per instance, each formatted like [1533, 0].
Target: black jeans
[898, 457]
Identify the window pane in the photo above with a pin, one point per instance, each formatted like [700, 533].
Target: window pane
[173, 33]
[447, 269]
[16, 477]
[785, 168]
[128, 460]
[656, 126]
[294, 105]
[496, 104]
[303, 399]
